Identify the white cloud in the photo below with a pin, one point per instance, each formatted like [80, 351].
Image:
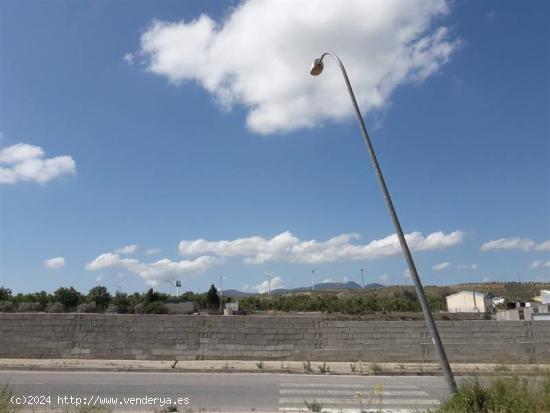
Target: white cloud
[486, 279]
[259, 56]
[55, 263]
[127, 249]
[345, 279]
[441, 266]
[384, 278]
[129, 58]
[539, 264]
[153, 251]
[263, 287]
[464, 267]
[327, 280]
[152, 273]
[289, 248]
[23, 162]
[516, 244]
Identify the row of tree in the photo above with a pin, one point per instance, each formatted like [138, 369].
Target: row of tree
[99, 300]
[371, 301]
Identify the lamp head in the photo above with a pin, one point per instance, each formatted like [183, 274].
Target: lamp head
[316, 67]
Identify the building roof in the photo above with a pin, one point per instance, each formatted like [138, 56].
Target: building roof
[467, 292]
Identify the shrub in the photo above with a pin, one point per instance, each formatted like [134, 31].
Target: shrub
[6, 307]
[28, 307]
[6, 405]
[314, 406]
[156, 307]
[86, 307]
[56, 307]
[324, 368]
[504, 395]
[112, 309]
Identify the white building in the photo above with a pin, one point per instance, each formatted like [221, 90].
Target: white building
[469, 302]
[545, 296]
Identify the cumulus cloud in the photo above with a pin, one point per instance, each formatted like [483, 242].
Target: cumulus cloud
[289, 248]
[152, 273]
[441, 266]
[465, 267]
[515, 244]
[539, 264]
[384, 278]
[153, 251]
[129, 58]
[259, 56]
[127, 249]
[23, 162]
[276, 283]
[55, 263]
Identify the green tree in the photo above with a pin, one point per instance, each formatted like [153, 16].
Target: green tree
[212, 298]
[122, 303]
[5, 294]
[156, 307]
[152, 296]
[101, 297]
[68, 297]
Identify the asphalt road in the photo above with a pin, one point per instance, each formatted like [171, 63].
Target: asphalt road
[226, 391]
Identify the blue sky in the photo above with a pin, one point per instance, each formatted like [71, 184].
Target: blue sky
[207, 128]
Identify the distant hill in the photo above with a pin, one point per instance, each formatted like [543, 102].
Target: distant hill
[511, 291]
[235, 293]
[330, 286]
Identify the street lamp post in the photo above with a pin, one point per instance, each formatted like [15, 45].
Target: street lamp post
[316, 70]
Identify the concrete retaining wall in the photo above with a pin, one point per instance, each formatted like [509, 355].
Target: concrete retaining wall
[170, 337]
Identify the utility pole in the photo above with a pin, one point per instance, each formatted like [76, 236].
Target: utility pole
[268, 283]
[313, 280]
[178, 285]
[362, 279]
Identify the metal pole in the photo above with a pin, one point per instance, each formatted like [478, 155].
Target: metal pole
[445, 367]
[313, 280]
[362, 279]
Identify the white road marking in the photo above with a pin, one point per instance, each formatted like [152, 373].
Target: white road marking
[365, 393]
[329, 410]
[406, 402]
[350, 385]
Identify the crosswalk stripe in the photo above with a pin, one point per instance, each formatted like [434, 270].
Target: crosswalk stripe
[405, 402]
[349, 385]
[345, 410]
[354, 392]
